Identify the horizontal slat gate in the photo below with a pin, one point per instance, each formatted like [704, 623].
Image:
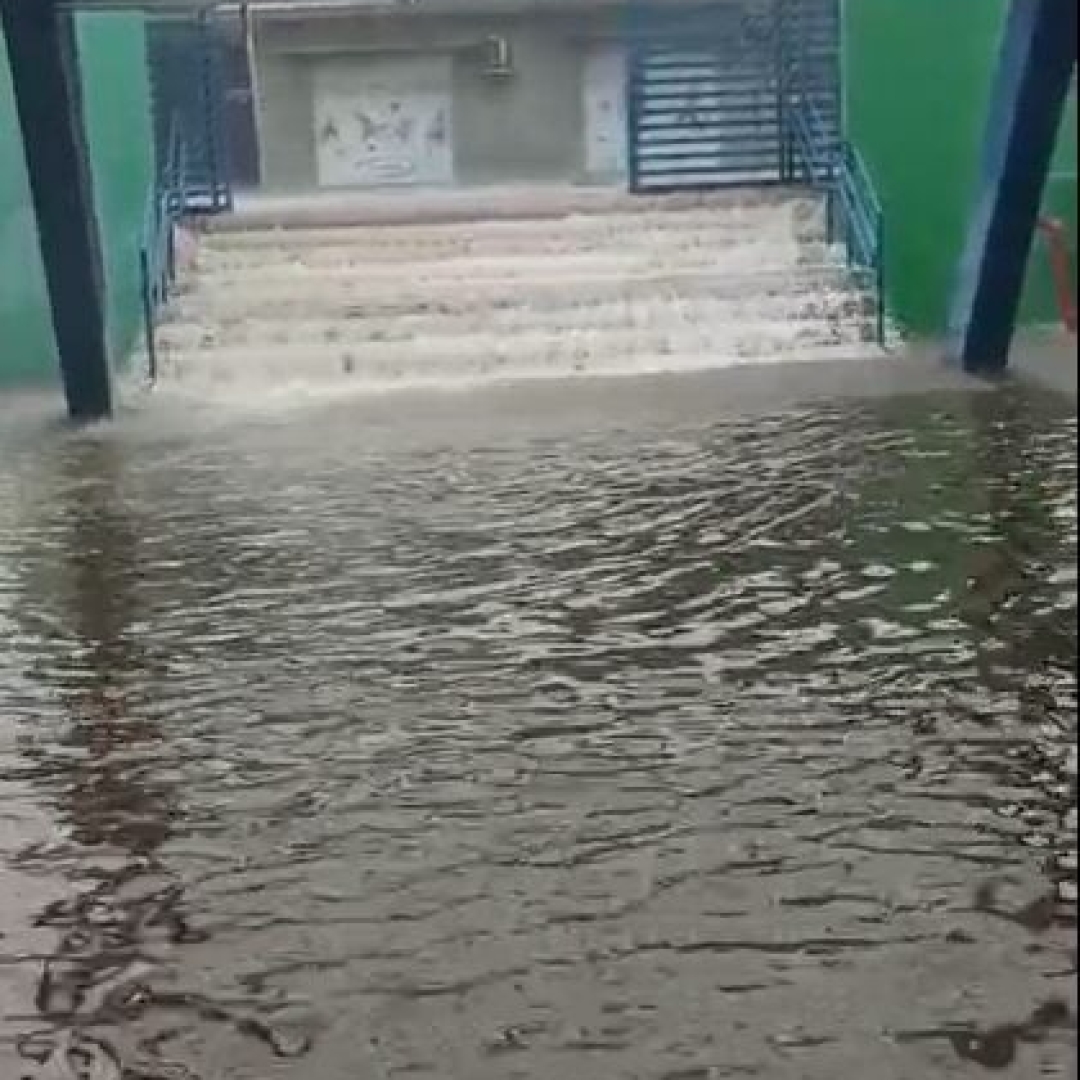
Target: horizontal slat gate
[185, 57]
[708, 85]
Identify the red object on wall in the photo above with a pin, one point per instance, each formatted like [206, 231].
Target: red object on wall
[1058, 246]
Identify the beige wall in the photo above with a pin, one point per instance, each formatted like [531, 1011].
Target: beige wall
[525, 128]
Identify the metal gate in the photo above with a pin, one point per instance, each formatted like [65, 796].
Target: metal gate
[709, 85]
[186, 56]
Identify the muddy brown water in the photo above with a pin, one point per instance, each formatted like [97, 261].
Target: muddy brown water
[658, 731]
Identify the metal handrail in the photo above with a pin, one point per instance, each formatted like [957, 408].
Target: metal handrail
[861, 219]
[813, 157]
[165, 206]
[854, 213]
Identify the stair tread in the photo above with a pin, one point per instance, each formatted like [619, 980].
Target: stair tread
[654, 290]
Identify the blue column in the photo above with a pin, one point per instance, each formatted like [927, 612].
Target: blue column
[48, 100]
[1034, 71]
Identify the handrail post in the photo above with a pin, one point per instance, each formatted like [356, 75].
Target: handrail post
[830, 210]
[148, 315]
[170, 251]
[782, 88]
[880, 283]
[854, 215]
[631, 79]
[165, 206]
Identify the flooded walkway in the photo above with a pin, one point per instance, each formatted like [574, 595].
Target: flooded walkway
[674, 729]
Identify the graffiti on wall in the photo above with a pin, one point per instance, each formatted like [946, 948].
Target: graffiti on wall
[371, 132]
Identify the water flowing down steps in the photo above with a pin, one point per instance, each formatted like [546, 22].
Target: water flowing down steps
[588, 286]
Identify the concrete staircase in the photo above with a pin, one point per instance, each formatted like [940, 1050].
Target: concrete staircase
[619, 286]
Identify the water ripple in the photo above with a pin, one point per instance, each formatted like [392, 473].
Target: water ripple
[337, 747]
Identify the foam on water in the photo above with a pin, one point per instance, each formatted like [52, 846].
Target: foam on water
[309, 312]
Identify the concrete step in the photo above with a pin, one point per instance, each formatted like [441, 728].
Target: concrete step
[756, 256]
[232, 375]
[552, 290]
[517, 204]
[331, 327]
[639, 288]
[506, 237]
[480, 353]
[702, 242]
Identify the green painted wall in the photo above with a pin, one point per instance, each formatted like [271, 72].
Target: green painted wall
[119, 127]
[26, 344]
[918, 76]
[116, 97]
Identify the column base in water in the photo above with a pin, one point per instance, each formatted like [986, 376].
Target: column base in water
[1035, 69]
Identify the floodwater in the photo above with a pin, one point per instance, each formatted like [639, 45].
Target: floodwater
[670, 730]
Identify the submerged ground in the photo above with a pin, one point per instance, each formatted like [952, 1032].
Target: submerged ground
[683, 728]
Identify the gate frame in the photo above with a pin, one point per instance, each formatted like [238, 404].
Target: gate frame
[208, 190]
[651, 24]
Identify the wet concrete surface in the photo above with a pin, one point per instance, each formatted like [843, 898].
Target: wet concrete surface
[1046, 358]
[681, 728]
[517, 202]
[616, 286]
